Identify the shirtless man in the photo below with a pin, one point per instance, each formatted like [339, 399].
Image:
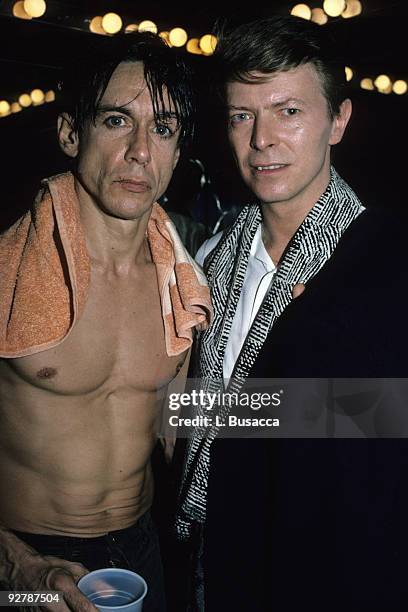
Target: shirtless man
[77, 420]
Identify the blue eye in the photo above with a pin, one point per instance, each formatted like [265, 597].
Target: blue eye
[114, 121]
[163, 130]
[290, 112]
[239, 118]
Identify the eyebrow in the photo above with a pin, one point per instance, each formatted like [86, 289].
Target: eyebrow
[107, 108]
[167, 115]
[273, 105]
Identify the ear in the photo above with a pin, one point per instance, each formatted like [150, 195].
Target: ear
[340, 122]
[176, 157]
[67, 137]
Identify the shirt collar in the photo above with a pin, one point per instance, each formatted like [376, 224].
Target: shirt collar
[259, 252]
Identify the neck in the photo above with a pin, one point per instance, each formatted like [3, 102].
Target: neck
[281, 220]
[113, 244]
[278, 228]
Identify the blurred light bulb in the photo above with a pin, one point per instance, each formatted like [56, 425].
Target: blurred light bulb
[25, 100]
[319, 16]
[352, 9]
[96, 25]
[367, 84]
[193, 46]
[37, 96]
[208, 42]
[15, 107]
[35, 8]
[301, 10]
[148, 26]
[178, 37]
[386, 90]
[49, 96]
[18, 10]
[111, 23]
[334, 8]
[349, 73]
[166, 37]
[4, 107]
[400, 87]
[382, 82]
[132, 27]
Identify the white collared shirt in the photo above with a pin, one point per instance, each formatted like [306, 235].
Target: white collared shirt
[258, 278]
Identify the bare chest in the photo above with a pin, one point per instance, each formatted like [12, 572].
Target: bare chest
[118, 342]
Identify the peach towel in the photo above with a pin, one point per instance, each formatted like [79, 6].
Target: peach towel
[45, 274]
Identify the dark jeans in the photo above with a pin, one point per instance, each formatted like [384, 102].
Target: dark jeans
[135, 548]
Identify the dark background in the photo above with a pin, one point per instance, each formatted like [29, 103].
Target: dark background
[371, 158]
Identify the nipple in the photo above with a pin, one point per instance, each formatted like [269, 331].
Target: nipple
[46, 373]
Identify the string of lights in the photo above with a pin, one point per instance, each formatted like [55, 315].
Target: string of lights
[331, 8]
[348, 9]
[105, 25]
[112, 23]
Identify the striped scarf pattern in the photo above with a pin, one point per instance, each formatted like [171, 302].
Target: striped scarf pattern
[225, 267]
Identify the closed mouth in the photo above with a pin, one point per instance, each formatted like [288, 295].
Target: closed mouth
[134, 185]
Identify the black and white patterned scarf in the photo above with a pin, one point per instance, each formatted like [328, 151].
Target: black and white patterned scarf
[225, 267]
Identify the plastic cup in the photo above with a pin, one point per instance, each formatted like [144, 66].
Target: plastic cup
[114, 589]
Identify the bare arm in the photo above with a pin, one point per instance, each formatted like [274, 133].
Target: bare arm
[167, 433]
[22, 568]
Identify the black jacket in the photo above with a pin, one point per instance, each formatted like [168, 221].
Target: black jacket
[321, 523]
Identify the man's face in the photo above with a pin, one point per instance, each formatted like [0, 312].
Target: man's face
[281, 132]
[126, 160]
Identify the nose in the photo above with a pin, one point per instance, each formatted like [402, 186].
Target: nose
[138, 149]
[264, 133]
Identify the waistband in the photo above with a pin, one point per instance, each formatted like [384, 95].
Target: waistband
[144, 522]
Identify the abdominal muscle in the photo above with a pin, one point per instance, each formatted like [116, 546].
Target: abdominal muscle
[76, 466]
[78, 421]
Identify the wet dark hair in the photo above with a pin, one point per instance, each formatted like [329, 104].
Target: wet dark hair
[166, 73]
[278, 44]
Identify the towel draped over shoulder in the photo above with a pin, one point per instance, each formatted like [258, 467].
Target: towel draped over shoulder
[45, 275]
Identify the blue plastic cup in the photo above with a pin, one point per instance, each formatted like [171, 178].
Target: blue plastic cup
[114, 589]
